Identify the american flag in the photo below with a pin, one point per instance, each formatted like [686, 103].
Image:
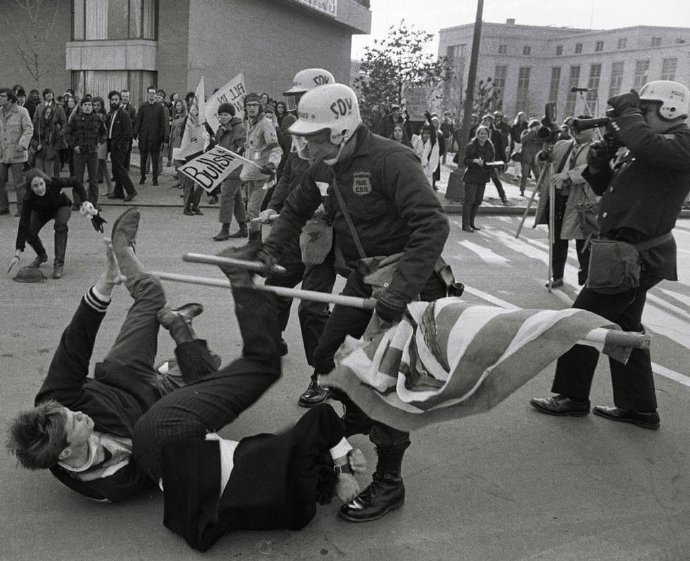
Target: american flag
[448, 359]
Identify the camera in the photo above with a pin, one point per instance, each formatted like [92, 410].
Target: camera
[549, 130]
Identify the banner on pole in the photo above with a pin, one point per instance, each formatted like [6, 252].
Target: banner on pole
[211, 168]
[232, 92]
[194, 138]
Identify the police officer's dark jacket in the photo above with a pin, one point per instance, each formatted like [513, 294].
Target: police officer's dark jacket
[391, 204]
[644, 193]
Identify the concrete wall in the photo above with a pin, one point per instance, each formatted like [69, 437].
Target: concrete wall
[269, 41]
[16, 29]
[173, 41]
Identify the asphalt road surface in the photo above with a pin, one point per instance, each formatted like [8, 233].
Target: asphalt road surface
[510, 484]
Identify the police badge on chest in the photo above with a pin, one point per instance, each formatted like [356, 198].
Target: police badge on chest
[361, 183]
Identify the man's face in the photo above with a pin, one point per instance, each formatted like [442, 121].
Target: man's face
[396, 113]
[87, 108]
[252, 109]
[78, 427]
[124, 97]
[319, 145]
[150, 95]
[583, 137]
[114, 102]
[157, 98]
[48, 97]
[38, 186]
[4, 100]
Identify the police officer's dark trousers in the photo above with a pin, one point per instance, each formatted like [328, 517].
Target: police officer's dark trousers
[633, 383]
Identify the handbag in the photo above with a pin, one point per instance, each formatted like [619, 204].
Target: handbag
[615, 266]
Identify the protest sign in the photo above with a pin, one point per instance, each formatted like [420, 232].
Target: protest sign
[232, 92]
[211, 168]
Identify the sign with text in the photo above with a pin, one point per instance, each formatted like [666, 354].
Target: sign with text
[211, 168]
[232, 92]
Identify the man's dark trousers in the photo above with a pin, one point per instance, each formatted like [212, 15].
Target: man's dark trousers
[633, 383]
[122, 179]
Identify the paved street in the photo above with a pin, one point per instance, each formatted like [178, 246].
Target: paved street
[507, 485]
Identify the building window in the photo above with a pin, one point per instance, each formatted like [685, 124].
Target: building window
[668, 68]
[599, 46]
[578, 48]
[593, 87]
[522, 98]
[500, 73]
[526, 50]
[559, 50]
[502, 49]
[616, 78]
[555, 83]
[656, 41]
[114, 19]
[573, 82]
[641, 70]
[623, 43]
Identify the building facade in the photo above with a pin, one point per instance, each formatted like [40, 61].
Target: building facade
[99, 45]
[534, 65]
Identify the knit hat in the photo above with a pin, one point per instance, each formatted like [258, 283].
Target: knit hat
[226, 108]
[252, 96]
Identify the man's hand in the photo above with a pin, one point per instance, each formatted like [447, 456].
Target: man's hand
[267, 216]
[346, 487]
[268, 259]
[270, 170]
[77, 150]
[14, 261]
[357, 461]
[624, 103]
[39, 147]
[390, 306]
[560, 180]
[600, 153]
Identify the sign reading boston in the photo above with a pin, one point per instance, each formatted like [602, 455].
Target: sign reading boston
[329, 7]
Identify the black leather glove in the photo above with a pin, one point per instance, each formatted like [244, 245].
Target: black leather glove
[624, 103]
[268, 258]
[269, 170]
[601, 152]
[390, 306]
[97, 221]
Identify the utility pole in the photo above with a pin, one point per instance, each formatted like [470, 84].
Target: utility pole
[471, 78]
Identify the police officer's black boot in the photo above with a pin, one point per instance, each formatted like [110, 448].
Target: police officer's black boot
[385, 493]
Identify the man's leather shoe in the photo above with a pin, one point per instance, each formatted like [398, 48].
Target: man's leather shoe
[188, 212]
[187, 312]
[142, 181]
[155, 182]
[40, 259]
[125, 228]
[113, 196]
[130, 196]
[645, 419]
[385, 493]
[313, 395]
[555, 283]
[57, 271]
[241, 233]
[561, 405]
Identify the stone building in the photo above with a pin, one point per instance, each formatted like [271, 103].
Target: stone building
[95, 46]
[532, 65]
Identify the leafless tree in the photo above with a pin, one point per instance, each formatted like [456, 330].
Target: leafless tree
[37, 48]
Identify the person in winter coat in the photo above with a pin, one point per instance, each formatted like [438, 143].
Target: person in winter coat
[44, 201]
[531, 145]
[231, 134]
[16, 131]
[149, 128]
[478, 153]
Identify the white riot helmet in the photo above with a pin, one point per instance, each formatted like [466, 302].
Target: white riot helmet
[333, 107]
[308, 79]
[674, 98]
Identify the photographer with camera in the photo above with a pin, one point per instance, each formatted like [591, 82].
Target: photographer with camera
[643, 188]
[575, 204]
[479, 155]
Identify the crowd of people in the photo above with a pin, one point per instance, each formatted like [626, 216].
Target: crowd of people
[350, 200]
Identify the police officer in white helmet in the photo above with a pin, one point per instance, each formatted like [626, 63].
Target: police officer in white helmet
[381, 205]
[642, 172]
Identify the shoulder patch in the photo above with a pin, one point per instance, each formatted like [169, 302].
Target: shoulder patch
[361, 183]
